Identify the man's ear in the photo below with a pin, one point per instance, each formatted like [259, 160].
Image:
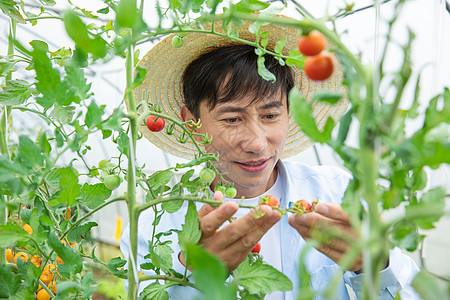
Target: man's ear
[186, 114]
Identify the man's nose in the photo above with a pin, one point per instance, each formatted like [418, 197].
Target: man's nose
[254, 139]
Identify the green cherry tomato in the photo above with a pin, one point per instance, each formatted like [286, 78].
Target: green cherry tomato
[220, 188]
[207, 175]
[177, 41]
[112, 182]
[230, 192]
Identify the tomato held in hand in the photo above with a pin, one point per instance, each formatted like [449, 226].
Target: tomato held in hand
[302, 206]
[257, 248]
[155, 123]
[319, 67]
[312, 44]
[270, 200]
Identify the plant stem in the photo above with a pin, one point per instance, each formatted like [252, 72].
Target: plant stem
[179, 281]
[133, 280]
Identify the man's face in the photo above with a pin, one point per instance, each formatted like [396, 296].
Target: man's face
[249, 139]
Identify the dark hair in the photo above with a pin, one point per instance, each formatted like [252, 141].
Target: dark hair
[226, 73]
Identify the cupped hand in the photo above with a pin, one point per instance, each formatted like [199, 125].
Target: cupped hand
[329, 216]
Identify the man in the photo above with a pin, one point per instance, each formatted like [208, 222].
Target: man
[248, 119]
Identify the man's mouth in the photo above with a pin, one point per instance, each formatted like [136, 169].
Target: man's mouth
[254, 165]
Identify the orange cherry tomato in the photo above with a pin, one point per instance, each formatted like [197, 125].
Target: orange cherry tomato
[9, 255]
[22, 255]
[28, 228]
[35, 260]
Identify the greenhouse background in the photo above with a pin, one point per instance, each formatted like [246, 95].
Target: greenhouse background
[429, 19]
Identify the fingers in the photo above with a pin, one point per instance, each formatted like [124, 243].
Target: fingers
[333, 211]
[245, 232]
[214, 218]
[255, 228]
[206, 209]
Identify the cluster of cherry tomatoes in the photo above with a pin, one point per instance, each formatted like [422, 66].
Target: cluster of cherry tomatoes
[318, 65]
[299, 207]
[48, 272]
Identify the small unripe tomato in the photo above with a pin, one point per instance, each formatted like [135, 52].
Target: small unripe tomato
[155, 123]
[177, 41]
[257, 248]
[207, 175]
[112, 181]
[319, 67]
[230, 192]
[220, 188]
[312, 44]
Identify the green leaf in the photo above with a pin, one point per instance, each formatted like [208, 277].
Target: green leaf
[327, 96]
[263, 72]
[78, 32]
[29, 153]
[190, 233]
[11, 234]
[73, 264]
[159, 179]
[126, 13]
[115, 265]
[9, 169]
[196, 162]
[154, 291]
[7, 67]
[209, 273]
[427, 286]
[15, 92]
[93, 195]
[123, 142]
[429, 209]
[302, 113]
[140, 76]
[295, 59]
[161, 256]
[260, 278]
[94, 115]
[79, 233]
[439, 110]
[250, 6]
[172, 206]
[77, 82]
[9, 284]
[280, 45]
[70, 189]
[9, 8]
[49, 81]
[63, 114]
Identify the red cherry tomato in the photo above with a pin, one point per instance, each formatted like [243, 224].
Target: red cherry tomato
[257, 248]
[319, 67]
[270, 200]
[302, 205]
[312, 44]
[154, 124]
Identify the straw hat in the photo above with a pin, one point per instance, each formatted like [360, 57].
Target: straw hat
[165, 66]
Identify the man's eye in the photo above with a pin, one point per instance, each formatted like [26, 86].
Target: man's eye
[231, 120]
[271, 116]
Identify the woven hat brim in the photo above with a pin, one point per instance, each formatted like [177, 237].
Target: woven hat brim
[162, 85]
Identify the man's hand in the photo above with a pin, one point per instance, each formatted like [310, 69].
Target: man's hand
[329, 215]
[233, 243]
